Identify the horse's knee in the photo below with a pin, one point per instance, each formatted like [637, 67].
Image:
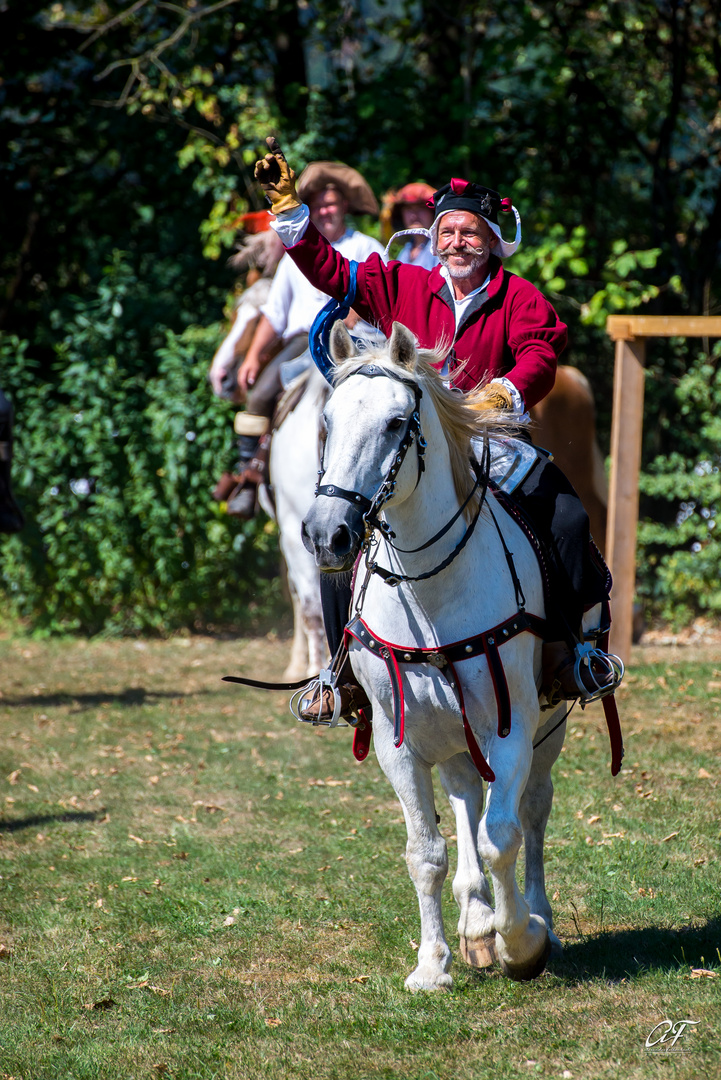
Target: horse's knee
[499, 840]
[427, 863]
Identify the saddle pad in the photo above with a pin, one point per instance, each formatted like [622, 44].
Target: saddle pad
[511, 460]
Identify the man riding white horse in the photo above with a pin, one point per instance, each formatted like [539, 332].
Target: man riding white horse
[501, 329]
[331, 190]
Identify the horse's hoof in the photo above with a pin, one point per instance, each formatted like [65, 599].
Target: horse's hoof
[418, 981]
[531, 970]
[479, 952]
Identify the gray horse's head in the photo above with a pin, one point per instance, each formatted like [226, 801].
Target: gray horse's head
[366, 419]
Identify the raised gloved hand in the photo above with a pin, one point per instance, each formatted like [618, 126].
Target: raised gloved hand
[493, 395]
[277, 179]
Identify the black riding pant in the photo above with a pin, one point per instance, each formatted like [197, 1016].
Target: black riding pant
[578, 580]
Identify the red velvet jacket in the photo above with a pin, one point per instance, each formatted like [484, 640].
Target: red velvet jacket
[509, 329]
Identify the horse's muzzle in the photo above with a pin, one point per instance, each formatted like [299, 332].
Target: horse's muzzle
[332, 532]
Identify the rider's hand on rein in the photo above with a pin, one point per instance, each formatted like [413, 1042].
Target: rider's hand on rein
[493, 396]
[277, 179]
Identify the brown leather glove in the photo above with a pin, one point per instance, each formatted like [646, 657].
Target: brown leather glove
[277, 179]
[493, 396]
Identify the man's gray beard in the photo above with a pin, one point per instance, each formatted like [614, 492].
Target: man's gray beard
[462, 272]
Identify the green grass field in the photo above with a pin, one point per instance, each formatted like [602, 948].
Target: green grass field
[193, 885]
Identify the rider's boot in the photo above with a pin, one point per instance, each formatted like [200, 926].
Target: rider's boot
[318, 707]
[583, 671]
[317, 702]
[253, 452]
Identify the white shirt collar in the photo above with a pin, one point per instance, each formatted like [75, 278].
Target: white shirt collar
[464, 299]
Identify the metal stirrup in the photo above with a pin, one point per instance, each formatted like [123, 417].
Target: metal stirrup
[327, 679]
[607, 676]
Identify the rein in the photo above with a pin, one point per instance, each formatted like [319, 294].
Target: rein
[394, 579]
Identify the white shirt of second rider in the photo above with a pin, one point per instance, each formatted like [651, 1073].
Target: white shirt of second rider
[293, 302]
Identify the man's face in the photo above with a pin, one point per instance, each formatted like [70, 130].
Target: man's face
[327, 212]
[464, 243]
[416, 216]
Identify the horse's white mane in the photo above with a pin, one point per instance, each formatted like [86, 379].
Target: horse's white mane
[460, 420]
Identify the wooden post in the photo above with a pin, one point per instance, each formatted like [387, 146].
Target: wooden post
[629, 332]
[626, 431]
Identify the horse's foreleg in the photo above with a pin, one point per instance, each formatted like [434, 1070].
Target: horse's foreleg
[535, 809]
[426, 856]
[464, 789]
[298, 663]
[522, 940]
[315, 636]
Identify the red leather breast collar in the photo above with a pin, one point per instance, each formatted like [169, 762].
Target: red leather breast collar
[445, 657]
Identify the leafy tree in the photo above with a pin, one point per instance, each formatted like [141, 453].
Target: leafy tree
[132, 128]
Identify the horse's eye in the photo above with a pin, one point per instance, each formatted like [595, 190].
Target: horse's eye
[396, 423]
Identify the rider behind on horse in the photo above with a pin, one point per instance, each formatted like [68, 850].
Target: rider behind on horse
[259, 252]
[406, 213]
[331, 190]
[501, 327]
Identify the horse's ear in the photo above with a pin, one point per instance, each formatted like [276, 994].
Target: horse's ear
[342, 346]
[403, 347]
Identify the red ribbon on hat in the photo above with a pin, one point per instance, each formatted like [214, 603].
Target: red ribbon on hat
[506, 205]
[458, 187]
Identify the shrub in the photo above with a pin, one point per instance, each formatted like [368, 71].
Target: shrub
[679, 546]
[117, 451]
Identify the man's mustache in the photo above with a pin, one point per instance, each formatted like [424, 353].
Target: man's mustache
[459, 251]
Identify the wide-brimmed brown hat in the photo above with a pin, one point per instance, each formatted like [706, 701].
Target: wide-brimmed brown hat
[354, 189]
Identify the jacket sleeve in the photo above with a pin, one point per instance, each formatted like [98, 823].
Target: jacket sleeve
[329, 271]
[536, 338]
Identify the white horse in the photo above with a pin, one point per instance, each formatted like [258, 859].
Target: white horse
[370, 421]
[293, 468]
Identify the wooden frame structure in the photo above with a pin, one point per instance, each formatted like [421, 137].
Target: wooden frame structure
[630, 333]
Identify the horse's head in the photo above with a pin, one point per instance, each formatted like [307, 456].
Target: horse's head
[370, 419]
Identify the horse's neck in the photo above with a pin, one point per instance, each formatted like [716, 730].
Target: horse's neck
[433, 503]
[474, 591]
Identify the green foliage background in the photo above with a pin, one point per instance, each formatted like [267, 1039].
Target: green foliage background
[131, 130]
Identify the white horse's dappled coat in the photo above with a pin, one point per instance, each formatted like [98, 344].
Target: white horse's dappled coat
[367, 419]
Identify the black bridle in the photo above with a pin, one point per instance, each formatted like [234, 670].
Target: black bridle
[372, 507]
